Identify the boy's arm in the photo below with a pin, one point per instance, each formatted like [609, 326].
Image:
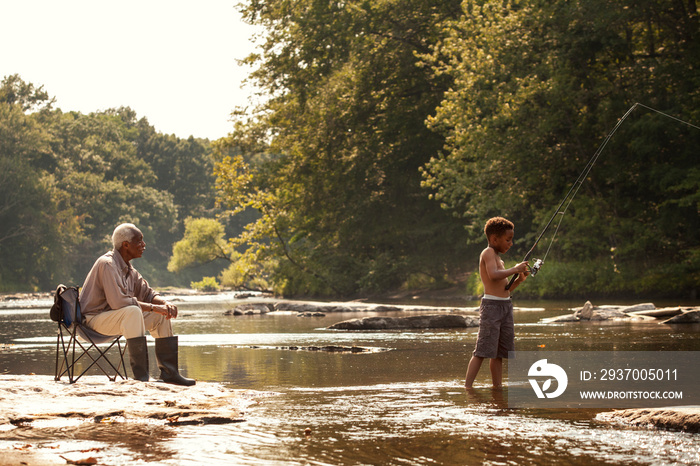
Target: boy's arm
[495, 273]
[521, 277]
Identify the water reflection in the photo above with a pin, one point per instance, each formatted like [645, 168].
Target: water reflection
[123, 442]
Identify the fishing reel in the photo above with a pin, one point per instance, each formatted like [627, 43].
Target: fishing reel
[533, 271]
[536, 267]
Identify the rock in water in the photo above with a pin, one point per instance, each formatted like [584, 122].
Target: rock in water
[412, 322]
[250, 309]
[658, 313]
[684, 418]
[607, 314]
[564, 318]
[586, 312]
[690, 317]
[639, 308]
[28, 398]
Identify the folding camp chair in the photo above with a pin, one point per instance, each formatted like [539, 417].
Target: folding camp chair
[76, 343]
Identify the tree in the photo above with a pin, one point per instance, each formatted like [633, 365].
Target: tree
[34, 235]
[67, 179]
[106, 182]
[525, 115]
[331, 161]
[182, 167]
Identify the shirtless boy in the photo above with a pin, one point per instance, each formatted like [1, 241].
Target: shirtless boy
[496, 332]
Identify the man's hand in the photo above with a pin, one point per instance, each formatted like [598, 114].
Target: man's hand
[165, 308]
[171, 309]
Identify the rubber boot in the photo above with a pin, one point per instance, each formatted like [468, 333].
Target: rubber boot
[138, 355]
[166, 355]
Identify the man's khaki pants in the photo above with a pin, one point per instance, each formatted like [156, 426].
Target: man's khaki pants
[130, 322]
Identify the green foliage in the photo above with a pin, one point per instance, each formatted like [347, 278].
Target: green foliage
[422, 281]
[67, 179]
[474, 286]
[331, 161]
[206, 284]
[576, 280]
[518, 95]
[248, 273]
[203, 242]
[525, 115]
[34, 236]
[388, 127]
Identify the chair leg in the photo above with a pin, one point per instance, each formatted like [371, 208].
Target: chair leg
[70, 351]
[122, 366]
[62, 354]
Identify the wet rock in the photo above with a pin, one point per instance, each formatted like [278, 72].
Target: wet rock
[28, 398]
[563, 318]
[305, 307]
[590, 312]
[311, 314]
[638, 308]
[585, 312]
[658, 313]
[686, 317]
[332, 349]
[608, 314]
[326, 349]
[682, 418]
[302, 307]
[412, 322]
[385, 308]
[250, 309]
[644, 311]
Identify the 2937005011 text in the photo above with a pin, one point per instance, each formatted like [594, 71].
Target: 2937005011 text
[603, 379]
[631, 374]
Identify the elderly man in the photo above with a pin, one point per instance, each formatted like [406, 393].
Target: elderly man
[116, 300]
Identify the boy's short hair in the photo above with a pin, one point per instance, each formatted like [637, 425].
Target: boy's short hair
[497, 226]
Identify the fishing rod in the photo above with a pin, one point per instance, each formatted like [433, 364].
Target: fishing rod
[574, 190]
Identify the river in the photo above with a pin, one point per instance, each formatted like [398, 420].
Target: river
[402, 404]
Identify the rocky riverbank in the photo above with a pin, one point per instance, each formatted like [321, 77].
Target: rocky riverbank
[26, 399]
[681, 418]
[314, 308]
[35, 401]
[407, 323]
[645, 312]
[428, 316]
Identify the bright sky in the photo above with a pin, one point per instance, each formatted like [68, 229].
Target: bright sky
[172, 61]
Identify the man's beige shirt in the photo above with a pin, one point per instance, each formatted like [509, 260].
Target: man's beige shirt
[113, 284]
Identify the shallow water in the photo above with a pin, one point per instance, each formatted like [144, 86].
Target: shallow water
[402, 406]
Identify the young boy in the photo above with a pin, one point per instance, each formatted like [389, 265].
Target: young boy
[496, 332]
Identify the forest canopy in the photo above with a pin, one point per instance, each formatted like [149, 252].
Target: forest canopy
[395, 129]
[389, 132]
[67, 179]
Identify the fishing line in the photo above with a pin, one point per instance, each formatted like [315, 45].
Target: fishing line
[577, 185]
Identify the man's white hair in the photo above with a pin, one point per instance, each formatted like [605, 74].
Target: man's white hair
[124, 232]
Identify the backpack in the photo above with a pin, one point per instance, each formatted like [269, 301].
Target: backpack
[65, 299]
